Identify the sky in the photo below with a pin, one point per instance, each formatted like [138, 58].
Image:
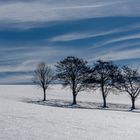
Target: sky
[32, 31]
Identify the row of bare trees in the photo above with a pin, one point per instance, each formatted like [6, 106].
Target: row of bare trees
[79, 76]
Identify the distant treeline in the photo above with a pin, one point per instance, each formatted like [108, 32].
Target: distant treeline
[79, 76]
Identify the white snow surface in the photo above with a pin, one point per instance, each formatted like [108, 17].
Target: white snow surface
[23, 116]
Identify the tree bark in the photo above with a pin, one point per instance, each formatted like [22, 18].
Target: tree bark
[104, 101]
[133, 103]
[74, 92]
[103, 95]
[44, 90]
[74, 99]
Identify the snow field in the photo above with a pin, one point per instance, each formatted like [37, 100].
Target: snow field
[20, 120]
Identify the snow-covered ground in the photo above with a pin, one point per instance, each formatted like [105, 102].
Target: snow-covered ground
[23, 118]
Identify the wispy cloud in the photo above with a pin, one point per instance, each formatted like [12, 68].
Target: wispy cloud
[93, 34]
[16, 79]
[45, 30]
[24, 11]
[77, 36]
[121, 55]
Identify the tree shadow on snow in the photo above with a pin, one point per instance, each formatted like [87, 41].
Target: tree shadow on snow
[84, 105]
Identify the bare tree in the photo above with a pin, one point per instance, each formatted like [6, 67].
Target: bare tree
[129, 82]
[43, 77]
[103, 75]
[72, 71]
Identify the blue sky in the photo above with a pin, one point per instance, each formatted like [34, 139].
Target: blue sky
[49, 30]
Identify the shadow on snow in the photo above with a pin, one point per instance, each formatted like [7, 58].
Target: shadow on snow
[84, 105]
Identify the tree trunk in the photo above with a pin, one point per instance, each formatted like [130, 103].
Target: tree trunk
[104, 101]
[74, 99]
[44, 90]
[133, 103]
[104, 97]
[74, 92]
